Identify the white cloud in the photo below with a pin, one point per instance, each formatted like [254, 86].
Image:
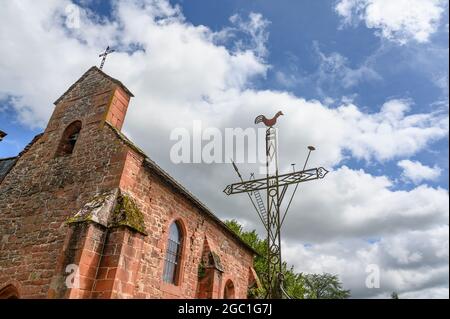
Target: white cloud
[417, 172]
[334, 69]
[352, 203]
[391, 133]
[286, 79]
[399, 20]
[176, 56]
[412, 263]
[184, 72]
[256, 27]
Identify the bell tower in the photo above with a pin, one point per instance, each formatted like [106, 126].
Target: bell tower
[95, 98]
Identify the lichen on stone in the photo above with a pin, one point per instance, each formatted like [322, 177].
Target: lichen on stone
[111, 209]
[127, 213]
[96, 210]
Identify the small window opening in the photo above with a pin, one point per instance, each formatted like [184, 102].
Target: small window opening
[69, 139]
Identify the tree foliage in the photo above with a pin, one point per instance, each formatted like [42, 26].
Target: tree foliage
[394, 295]
[324, 286]
[297, 285]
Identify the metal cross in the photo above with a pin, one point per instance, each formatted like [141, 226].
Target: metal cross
[275, 186]
[104, 54]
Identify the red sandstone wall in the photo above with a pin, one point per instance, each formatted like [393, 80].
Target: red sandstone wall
[118, 108]
[161, 206]
[42, 191]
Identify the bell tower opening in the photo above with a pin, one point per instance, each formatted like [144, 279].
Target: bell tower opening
[69, 139]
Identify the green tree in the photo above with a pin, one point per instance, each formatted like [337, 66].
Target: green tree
[324, 286]
[293, 283]
[394, 295]
[252, 239]
[297, 285]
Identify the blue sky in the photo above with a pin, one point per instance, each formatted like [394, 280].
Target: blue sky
[366, 82]
[296, 33]
[296, 26]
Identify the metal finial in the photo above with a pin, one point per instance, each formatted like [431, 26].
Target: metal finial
[104, 54]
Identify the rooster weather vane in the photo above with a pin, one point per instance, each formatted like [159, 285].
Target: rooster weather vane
[275, 185]
[268, 123]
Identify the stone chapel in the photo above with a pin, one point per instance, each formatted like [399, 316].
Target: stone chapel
[85, 213]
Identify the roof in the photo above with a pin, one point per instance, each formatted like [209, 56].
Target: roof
[7, 163]
[174, 183]
[85, 75]
[5, 166]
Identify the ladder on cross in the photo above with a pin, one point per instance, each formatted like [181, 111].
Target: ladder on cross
[260, 203]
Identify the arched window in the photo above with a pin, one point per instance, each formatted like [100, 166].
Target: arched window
[68, 139]
[173, 254]
[9, 292]
[228, 292]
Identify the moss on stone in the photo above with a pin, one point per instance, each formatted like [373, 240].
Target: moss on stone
[201, 269]
[111, 209]
[126, 213]
[79, 218]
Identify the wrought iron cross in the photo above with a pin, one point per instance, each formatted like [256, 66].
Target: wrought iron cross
[275, 186]
[104, 54]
